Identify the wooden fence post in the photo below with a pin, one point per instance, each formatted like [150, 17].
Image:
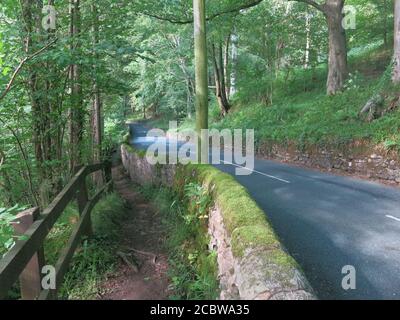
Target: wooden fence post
[25, 260]
[31, 278]
[108, 173]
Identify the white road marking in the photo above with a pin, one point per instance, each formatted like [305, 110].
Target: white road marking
[262, 173]
[255, 171]
[394, 218]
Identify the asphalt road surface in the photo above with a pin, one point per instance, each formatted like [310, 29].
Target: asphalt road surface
[327, 222]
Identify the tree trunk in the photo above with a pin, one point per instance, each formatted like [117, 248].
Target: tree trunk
[76, 114]
[220, 80]
[337, 64]
[189, 87]
[53, 130]
[396, 54]
[226, 66]
[201, 70]
[29, 13]
[127, 106]
[41, 88]
[308, 41]
[189, 98]
[96, 114]
[385, 23]
[7, 195]
[234, 41]
[176, 45]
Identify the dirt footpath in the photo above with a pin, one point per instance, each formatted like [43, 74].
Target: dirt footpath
[142, 273]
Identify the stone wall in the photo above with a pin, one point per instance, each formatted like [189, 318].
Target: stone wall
[251, 261]
[142, 172]
[359, 159]
[255, 275]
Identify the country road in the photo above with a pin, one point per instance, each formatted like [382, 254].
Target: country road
[327, 222]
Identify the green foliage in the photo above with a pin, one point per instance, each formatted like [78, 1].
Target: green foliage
[7, 218]
[309, 117]
[244, 221]
[144, 67]
[34, 136]
[108, 216]
[95, 259]
[193, 268]
[60, 233]
[199, 203]
[92, 264]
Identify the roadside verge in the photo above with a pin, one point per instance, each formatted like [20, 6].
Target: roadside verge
[252, 262]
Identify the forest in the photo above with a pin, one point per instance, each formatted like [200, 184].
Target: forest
[304, 73]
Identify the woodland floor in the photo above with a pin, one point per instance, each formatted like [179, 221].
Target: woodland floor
[142, 273]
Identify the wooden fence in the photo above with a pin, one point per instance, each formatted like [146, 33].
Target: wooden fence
[26, 259]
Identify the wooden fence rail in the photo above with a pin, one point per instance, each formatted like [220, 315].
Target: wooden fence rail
[25, 260]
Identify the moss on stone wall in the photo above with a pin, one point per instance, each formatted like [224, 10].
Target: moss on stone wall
[245, 222]
[132, 149]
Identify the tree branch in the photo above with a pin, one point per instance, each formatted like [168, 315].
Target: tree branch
[213, 16]
[320, 7]
[3, 157]
[26, 159]
[22, 63]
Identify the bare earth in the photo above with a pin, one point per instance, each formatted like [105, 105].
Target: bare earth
[142, 272]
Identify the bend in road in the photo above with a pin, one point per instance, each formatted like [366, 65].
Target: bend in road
[327, 222]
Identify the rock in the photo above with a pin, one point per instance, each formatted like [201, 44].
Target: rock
[260, 277]
[372, 109]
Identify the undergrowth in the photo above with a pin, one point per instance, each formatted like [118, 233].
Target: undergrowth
[95, 259]
[303, 114]
[7, 237]
[192, 266]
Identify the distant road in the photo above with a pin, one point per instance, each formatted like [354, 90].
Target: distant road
[327, 222]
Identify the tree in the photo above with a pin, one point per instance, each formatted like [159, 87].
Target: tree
[201, 70]
[232, 73]
[220, 66]
[396, 54]
[384, 5]
[76, 112]
[337, 61]
[96, 113]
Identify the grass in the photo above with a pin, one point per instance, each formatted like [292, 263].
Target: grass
[303, 115]
[306, 116]
[315, 119]
[95, 259]
[196, 188]
[192, 267]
